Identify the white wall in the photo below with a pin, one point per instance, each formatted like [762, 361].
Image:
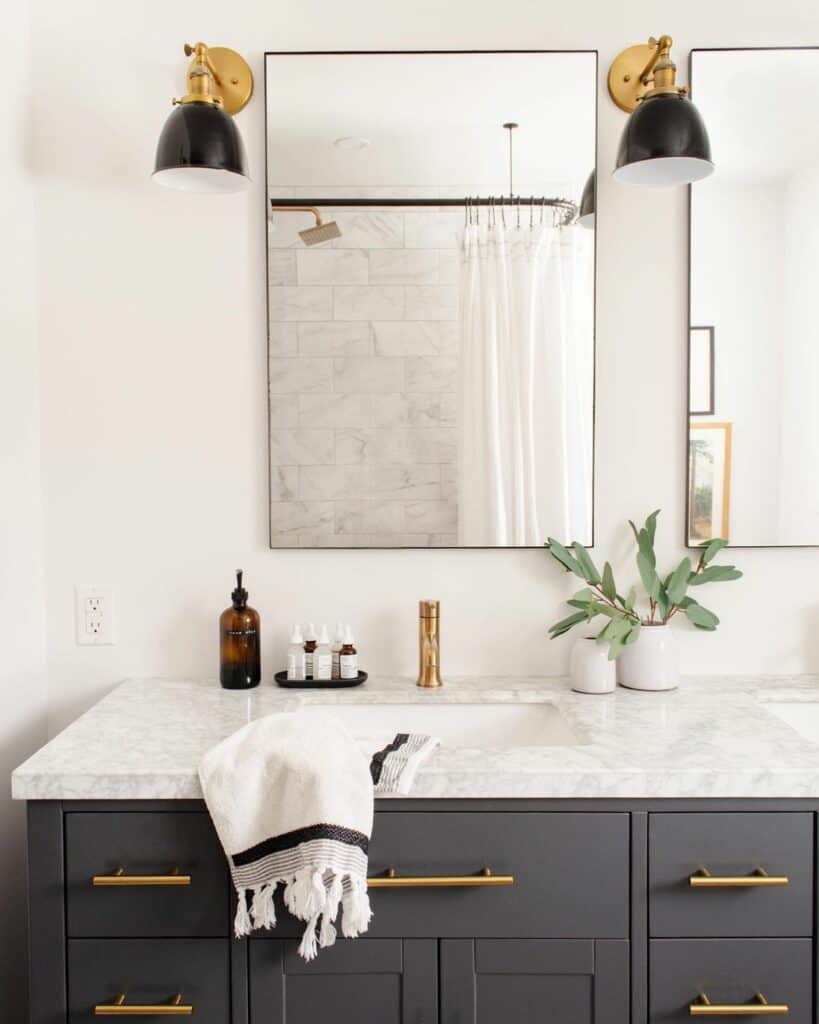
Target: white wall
[22, 658]
[152, 333]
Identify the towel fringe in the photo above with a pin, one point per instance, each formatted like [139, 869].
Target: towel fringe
[313, 895]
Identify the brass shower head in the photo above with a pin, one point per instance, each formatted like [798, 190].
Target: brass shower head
[322, 232]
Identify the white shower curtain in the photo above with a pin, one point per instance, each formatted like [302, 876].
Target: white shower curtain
[526, 385]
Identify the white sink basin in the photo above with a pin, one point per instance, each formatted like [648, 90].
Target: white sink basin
[804, 718]
[461, 725]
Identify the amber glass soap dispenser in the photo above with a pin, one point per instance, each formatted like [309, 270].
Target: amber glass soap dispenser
[239, 661]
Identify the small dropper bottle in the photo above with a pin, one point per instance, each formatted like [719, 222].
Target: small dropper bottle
[310, 644]
[348, 656]
[323, 657]
[295, 655]
[338, 643]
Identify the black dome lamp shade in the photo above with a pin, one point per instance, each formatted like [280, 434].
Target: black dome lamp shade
[200, 148]
[665, 141]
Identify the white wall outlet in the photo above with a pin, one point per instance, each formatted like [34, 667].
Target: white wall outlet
[95, 615]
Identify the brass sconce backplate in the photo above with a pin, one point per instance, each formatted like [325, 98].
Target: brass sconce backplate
[233, 79]
[626, 86]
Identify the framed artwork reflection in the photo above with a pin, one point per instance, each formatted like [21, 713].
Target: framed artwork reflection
[709, 481]
[701, 371]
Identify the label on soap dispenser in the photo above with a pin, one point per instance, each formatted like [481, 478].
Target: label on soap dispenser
[348, 666]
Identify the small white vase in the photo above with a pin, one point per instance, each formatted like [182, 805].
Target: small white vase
[590, 668]
[652, 663]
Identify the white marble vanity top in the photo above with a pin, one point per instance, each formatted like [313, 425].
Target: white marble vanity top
[714, 737]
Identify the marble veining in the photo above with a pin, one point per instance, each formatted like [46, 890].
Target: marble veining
[713, 737]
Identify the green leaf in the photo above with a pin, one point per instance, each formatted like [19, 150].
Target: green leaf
[631, 597]
[609, 588]
[678, 583]
[714, 574]
[701, 617]
[663, 602]
[583, 595]
[559, 628]
[651, 525]
[587, 566]
[557, 551]
[651, 581]
[633, 634]
[635, 531]
[646, 547]
[616, 648]
[712, 548]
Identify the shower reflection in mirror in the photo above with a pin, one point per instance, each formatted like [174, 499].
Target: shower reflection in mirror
[431, 298]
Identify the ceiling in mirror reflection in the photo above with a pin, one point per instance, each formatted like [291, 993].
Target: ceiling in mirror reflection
[431, 119]
[759, 106]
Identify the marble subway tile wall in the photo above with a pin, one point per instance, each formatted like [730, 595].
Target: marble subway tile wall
[363, 354]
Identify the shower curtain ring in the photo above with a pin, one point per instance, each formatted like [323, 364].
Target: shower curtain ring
[478, 211]
[531, 212]
[542, 207]
[518, 220]
[503, 212]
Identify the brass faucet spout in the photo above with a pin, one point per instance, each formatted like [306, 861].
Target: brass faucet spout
[429, 650]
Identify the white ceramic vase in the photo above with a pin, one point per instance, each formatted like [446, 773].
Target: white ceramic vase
[652, 663]
[590, 668]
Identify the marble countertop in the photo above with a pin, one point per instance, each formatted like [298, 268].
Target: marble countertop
[713, 737]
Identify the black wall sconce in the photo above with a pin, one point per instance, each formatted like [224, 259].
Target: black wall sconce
[200, 148]
[664, 141]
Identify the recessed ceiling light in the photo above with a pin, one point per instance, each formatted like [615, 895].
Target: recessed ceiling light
[352, 142]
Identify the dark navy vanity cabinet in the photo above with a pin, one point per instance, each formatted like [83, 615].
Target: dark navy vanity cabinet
[621, 912]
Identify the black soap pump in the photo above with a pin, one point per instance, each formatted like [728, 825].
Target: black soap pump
[239, 658]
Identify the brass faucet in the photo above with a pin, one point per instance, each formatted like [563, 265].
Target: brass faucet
[429, 651]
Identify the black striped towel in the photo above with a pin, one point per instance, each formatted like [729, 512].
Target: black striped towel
[291, 797]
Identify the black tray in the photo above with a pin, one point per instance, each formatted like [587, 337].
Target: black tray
[318, 684]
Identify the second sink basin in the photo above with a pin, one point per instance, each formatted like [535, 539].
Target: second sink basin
[478, 725]
[804, 718]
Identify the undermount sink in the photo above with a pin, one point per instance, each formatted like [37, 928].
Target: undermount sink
[804, 718]
[496, 726]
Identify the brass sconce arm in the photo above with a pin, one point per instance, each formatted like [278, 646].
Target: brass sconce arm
[218, 76]
[643, 69]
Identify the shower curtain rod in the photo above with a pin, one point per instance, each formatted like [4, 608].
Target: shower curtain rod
[505, 201]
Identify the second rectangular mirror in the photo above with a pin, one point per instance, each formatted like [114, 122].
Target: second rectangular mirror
[753, 437]
[431, 346]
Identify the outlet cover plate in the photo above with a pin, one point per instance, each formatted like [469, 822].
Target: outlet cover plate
[94, 612]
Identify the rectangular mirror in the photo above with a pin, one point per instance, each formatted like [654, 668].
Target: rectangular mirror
[431, 347]
[753, 427]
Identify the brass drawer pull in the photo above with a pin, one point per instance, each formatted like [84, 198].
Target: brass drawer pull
[119, 1008]
[703, 1007]
[391, 880]
[119, 877]
[760, 879]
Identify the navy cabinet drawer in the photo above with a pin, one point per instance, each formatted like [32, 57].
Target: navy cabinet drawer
[571, 875]
[149, 972]
[733, 845]
[730, 972]
[145, 844]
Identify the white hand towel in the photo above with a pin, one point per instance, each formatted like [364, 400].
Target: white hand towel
[291, 798]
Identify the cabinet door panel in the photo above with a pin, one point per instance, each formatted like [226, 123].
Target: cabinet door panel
[520, 980]
[366, 981]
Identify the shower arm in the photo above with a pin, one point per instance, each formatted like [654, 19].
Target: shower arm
[298, 209]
